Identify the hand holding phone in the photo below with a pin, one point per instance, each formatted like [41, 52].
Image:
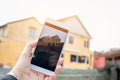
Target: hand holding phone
[49, 47]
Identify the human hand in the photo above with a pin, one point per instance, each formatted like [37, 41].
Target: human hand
[23, 67]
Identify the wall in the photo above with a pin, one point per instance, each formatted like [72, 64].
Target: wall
[78, 49]
[16, 36]
[99, 61]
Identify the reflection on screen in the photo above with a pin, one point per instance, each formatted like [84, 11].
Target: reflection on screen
[49, 47]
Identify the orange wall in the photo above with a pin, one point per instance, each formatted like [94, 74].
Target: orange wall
[99, 61]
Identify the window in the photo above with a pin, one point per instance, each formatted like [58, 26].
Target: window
[3, 31]
[73, 58]
[31, 33]
[0, 41]
[62, 57]
[86, 44]
[83, 59]
[71, 40]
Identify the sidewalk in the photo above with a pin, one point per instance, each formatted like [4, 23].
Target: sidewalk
[3, 71]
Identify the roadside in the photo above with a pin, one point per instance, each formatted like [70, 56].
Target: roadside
[68, 74]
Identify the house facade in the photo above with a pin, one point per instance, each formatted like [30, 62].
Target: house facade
[76, 52]
[99, 61]
[14, 36]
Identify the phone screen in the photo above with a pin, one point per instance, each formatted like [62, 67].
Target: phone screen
[49, 46]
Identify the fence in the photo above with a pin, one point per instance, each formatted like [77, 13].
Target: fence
[68, 74]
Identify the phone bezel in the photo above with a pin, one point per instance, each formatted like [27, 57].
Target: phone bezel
[54, 24]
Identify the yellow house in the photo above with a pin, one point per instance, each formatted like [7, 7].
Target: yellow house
[14, 36]
[76, 51]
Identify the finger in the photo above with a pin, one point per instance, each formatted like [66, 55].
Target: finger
[52, 77]
[28, 48]
[40, 76]
[58, 68]
[47, 78]
[61, 60]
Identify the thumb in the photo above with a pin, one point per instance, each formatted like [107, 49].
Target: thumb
[28, 48]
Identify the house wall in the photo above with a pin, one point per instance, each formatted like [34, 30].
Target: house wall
[16, 36]
[99, 61]
[78, 49]
[10, 51]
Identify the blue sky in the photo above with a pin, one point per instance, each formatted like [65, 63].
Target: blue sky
[100, 17]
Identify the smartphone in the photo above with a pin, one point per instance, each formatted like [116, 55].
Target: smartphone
[49, 47]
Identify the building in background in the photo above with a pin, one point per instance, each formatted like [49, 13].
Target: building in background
[14, 36]
[113, 63]
[99, 60]
[76, 52]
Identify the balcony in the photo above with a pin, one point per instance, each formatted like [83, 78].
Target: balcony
[113, 63]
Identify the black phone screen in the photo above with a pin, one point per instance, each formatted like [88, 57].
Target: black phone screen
[49, 46]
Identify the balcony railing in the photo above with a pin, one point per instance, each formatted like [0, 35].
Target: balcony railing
[115, 63]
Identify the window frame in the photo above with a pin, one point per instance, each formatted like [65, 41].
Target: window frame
[3, 32]
[31, 33]
[71, 40]
[86, 43]
[85, 60]
[75, 58]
